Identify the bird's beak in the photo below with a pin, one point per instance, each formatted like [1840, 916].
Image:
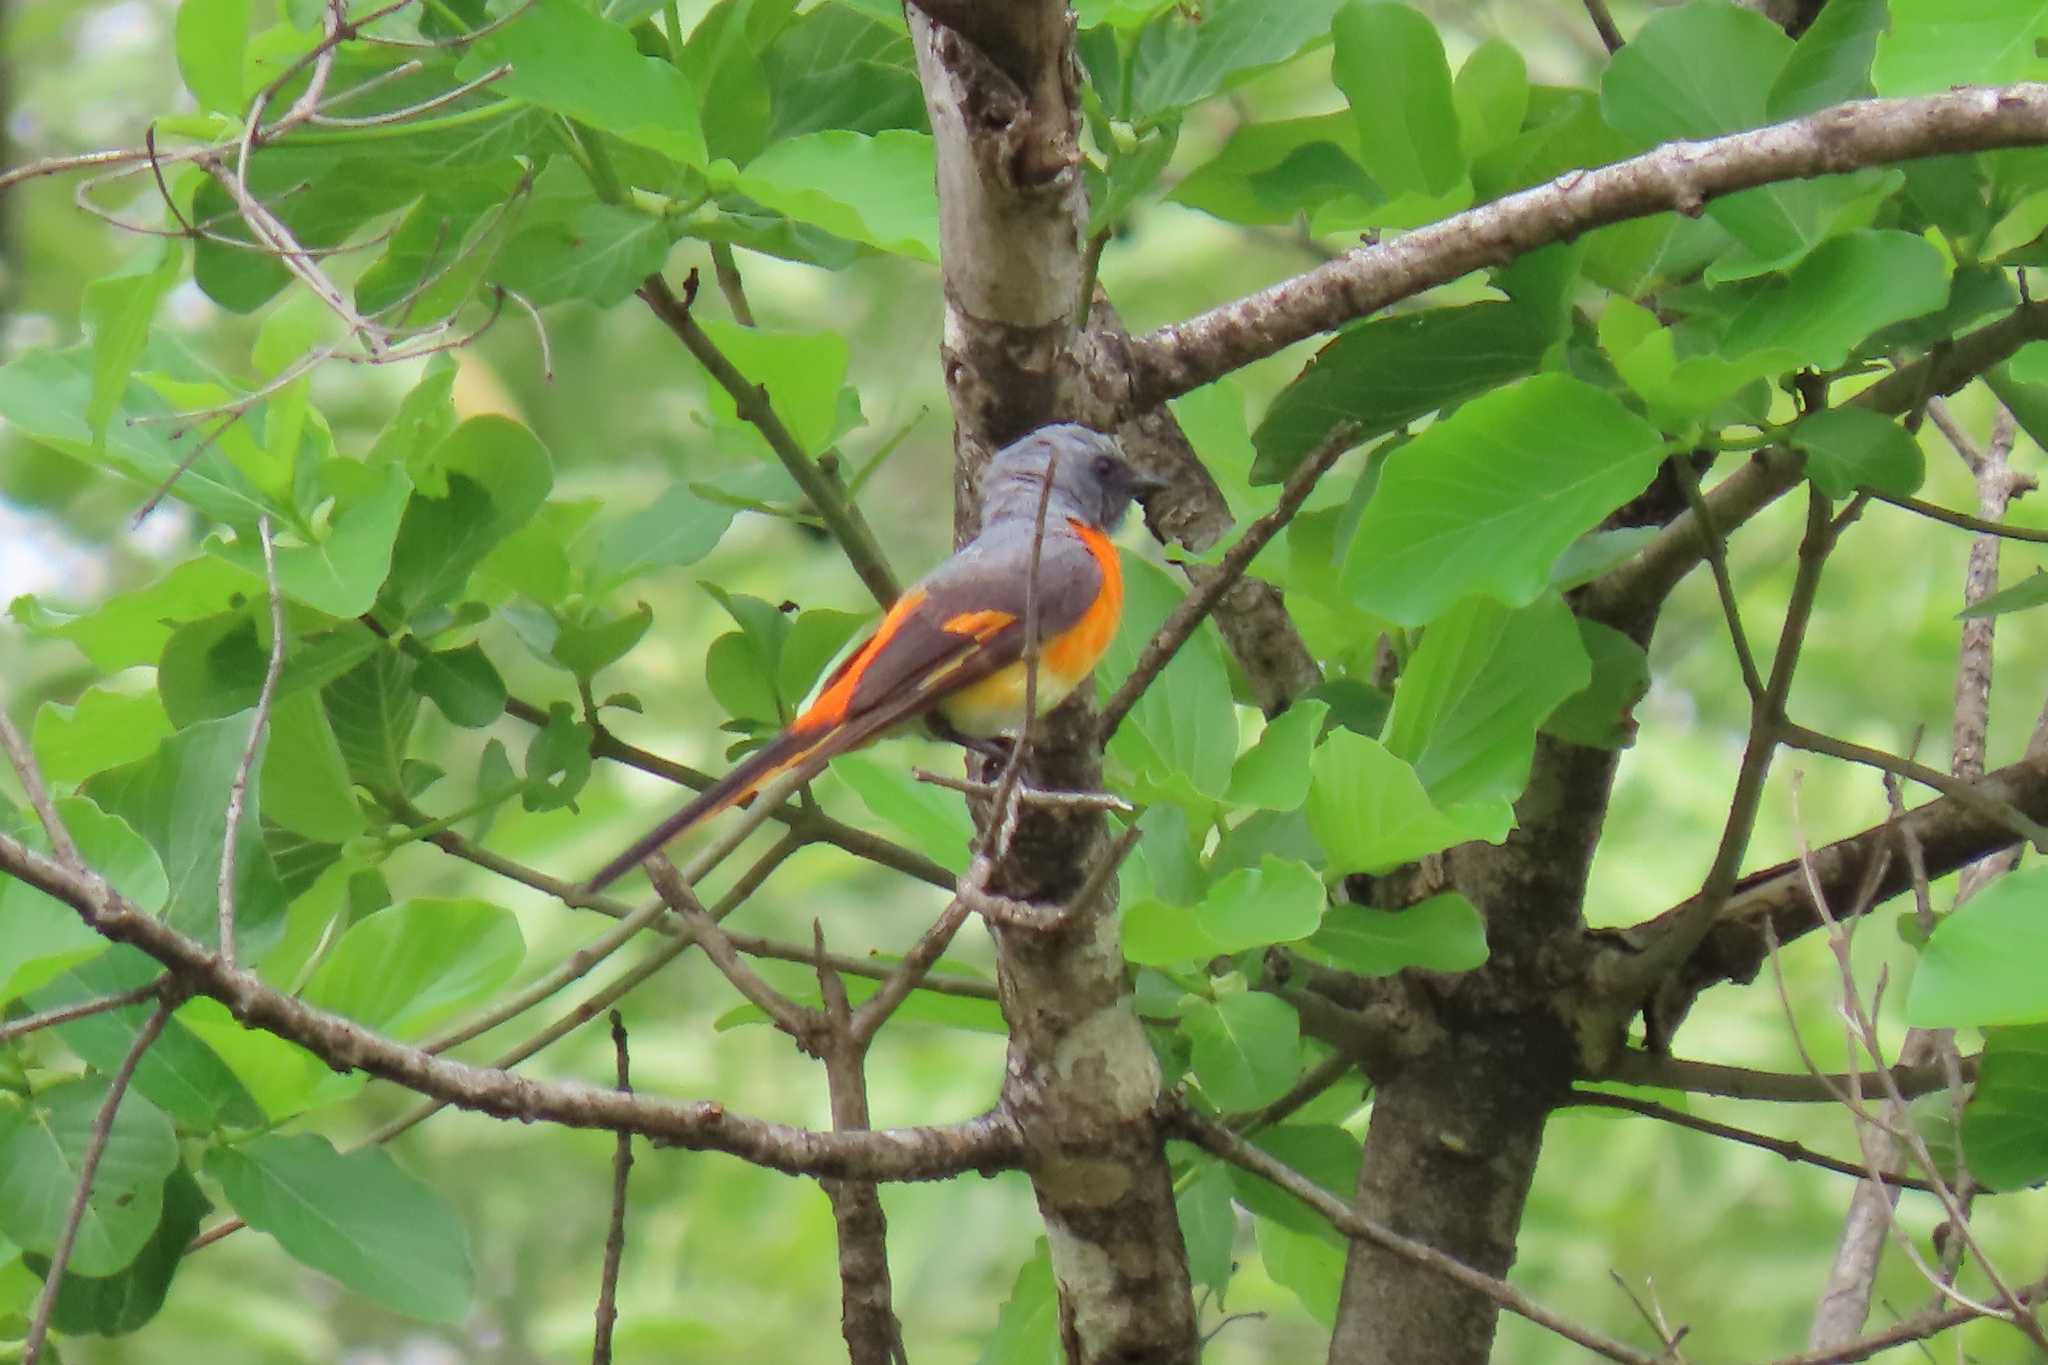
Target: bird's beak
[1143, 486]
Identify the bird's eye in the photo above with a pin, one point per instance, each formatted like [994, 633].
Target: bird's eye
[1104, 466]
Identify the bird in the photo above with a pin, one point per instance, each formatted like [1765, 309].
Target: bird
[953, 643]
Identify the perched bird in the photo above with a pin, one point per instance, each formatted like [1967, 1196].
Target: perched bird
[954, 642]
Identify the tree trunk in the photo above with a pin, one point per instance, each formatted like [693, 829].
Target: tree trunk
[1082, 1082]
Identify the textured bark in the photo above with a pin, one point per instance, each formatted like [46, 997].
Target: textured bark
[1455, 1134]
[1081, 1084]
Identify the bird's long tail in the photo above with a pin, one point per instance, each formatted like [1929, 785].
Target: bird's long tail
[793, 748]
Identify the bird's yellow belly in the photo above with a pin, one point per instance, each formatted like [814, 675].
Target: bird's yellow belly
[995, 705]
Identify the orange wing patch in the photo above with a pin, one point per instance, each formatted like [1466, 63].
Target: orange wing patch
[1073, 653]
[981, 625]
[830, 707]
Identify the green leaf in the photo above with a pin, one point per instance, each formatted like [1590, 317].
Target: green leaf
[357, 1217]
[103, 729]
[1267, 173]
[485, 481]
[464, 684]
[285, 1079]
[1028, 1326]
[1596, 552]
[1307, 1264]
[1488, 498]
[215, 667]
[1182, 58]
[1208, 1226]
[179, 1074]
[1850, 448]
[1158, 934]
[115, 1305]
[816, 639]
[1246, 1047]
[1830, 64]
[935, 820]
[1369, 810]
[47, 396]
[372, 708]
[46, 938]
[803, 373]
[1130, 175]
[1932, 44]
[177, 800]
[1279, 901]
[678, 528]
[1987, 963]
[1477, 689]
[1442, 934]
[2032, 592]
[1324, 1153]
[341, 571]
[1491, 95]
[568, 61]
[212, 37]
[599, 256]
[1181, 737]
[2005, 1126]
[42, 1149]
[874, 189]
[1601, 715]
[405, 969]
[1273, 773]
[1387, 372]
[835, 67]
[733, 96]
[1389, 62]
[1818, 313]
[132, 627]
[1708, 68]
[118, 310]
[593, 641]
[557, 761]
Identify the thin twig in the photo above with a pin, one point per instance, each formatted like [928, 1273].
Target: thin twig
[238, 790]
[1219, 1141]
[1029, 796]
[750, 401]
[1918, 1327]
[25, 767]
[1934, 511]
[1603, 24]
[615, 1233]
[727, 272]
[1637, 1067]
[798, 1022]
[1724, 582]
[88, 1167]
[1181, 623]
[82, 1009]
[1004, 810]
[1956, 789]
[1784, 1147]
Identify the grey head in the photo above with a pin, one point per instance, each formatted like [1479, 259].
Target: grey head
[1090, 478]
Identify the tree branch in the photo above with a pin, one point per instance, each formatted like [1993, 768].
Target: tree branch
[1187, 616]
[1220, 1141]
[88, 1168]
[1678, 177]
[1637, 1067]
[1784, 1147]
[615, 1234]
[750, 401]
[921, 1153]
[238, 790]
